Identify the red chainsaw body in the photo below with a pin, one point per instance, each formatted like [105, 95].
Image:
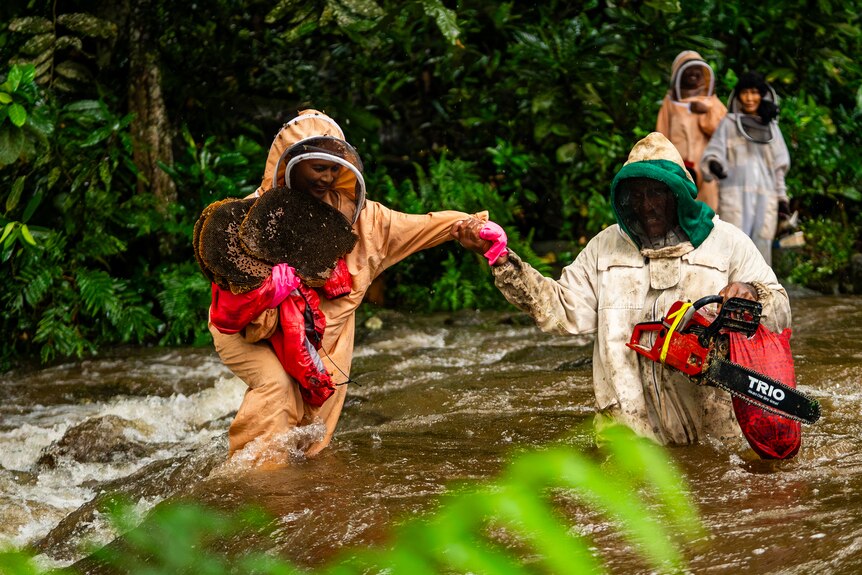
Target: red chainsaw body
[674, 344]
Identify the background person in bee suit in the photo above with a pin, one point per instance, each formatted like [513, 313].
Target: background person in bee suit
[273, 405]
[749, 157]
[665, 247]
[690, 114]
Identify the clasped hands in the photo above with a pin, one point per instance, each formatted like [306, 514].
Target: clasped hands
[486, 238]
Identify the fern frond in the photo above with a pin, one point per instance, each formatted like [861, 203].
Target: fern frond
[136, 322]
[58, 337]
[38, 282]
[99, 291]
[184, 300]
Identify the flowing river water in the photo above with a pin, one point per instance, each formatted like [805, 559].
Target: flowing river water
[443, 399]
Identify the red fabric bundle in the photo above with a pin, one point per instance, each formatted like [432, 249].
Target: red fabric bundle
[339, 283]
[301, 325]
[770, 435]
[296, 339]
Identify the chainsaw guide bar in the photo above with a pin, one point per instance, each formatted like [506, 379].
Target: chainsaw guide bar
[760, 390]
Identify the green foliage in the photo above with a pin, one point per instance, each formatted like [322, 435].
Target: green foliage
[462, 280]
[636, 486]
[217, 170]
[820, 168]
[53, 47]
[823, 262]
[630, 480]
[71, 302]
[185, 299]
[524, 109]
[23, 127]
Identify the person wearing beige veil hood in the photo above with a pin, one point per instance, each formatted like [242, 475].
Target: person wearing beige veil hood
[665, 247]
[273, 409]
[690, 114]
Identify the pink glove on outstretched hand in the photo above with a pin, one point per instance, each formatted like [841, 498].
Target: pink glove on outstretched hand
[495, 234]
[284, 280]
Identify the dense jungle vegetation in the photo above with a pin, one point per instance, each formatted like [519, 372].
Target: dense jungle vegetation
[120, 121]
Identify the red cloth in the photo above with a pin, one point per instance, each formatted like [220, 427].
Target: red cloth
[770, 435]
[296, 341]
[231, 312]
[339, 283]
[297, 336]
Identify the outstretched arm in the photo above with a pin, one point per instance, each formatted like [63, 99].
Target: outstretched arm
[565, 306]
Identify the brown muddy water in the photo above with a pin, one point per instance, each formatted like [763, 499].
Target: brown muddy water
[443, 398]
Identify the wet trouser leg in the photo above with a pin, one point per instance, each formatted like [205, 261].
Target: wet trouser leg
[272, 404]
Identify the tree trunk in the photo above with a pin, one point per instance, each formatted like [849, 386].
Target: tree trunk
[151, 131]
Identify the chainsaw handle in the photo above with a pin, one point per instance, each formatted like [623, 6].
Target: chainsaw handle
[640, 329]
[635, 341]
[706, 300]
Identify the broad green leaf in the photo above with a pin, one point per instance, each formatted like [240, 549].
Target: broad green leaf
[612, 494]
[17, 114]
[31, 25]
[69, 42]
[445, 18]
[5, 98]
[282, 8]
[28, 73]
[532, 516]
[63, 85]
[851, 193]
[97, 136]
[364, 8]
[43, 69]
[567, 153]
[38, 44]
[14, 78]
[15, 194]
[105, 173]
[84, 106]
[304, 29]
[345, 18]
[88, 25]
[73, 71]
[28, 237]
[7, 230]
[647, 460]
[17, 562]
[11, 144]
[53, 176]
[327, 15]
[30, 209]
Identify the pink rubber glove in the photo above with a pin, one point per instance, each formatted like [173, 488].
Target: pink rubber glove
[284, 280]
[494, 233]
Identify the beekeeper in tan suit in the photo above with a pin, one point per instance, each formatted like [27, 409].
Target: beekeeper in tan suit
[273, 407]
[690, 114]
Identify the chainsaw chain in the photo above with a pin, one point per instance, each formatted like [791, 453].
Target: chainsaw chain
[705, 380]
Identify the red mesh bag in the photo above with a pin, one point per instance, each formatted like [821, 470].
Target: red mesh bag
[770, 435]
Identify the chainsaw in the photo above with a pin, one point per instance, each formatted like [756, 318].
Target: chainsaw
[687, 341]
